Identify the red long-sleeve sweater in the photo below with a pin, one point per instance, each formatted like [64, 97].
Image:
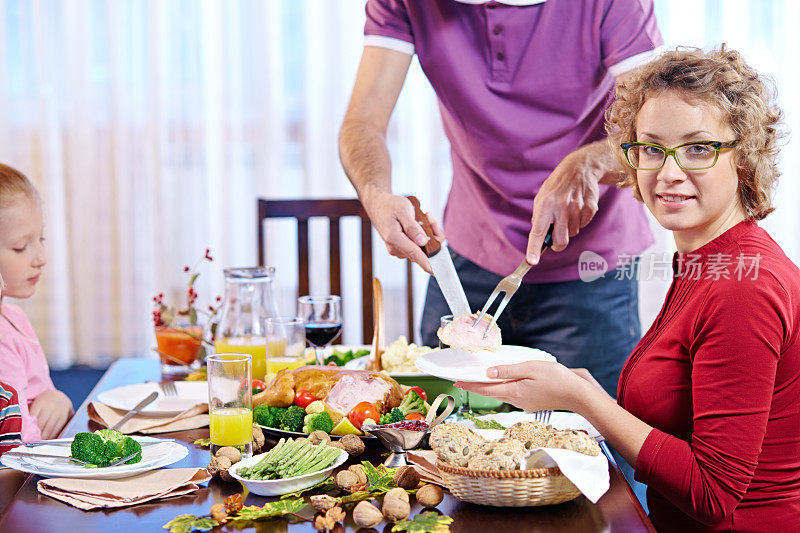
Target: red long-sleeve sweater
[718, 377]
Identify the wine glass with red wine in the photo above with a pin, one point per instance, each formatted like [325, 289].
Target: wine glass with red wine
[323, 318]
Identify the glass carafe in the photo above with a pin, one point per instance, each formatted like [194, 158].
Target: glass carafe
[249, 301]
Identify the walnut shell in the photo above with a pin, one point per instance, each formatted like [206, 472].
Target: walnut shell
[366, 515]
[346, 480]
[231, 453]
[258, 438]
[395, 505]
[323, 502]
[352, 445]
[225, 475]
[218, 513]
[358, 470]
[430, 495]
[217, 465]
[406, 477]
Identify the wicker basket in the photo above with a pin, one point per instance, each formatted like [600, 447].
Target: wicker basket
[508, 488]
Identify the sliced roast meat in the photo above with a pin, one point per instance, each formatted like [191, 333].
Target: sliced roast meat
[460, 334]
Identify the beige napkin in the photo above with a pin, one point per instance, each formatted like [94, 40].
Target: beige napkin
[424, 462]
[193, 418]
[89, 494]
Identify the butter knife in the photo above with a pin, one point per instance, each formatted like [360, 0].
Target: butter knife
[442, 265]
[135, 411]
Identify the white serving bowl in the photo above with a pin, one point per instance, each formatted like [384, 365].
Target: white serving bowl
[277, 487]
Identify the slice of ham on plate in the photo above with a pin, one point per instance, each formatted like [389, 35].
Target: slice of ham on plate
[460, 333]
[455, 364]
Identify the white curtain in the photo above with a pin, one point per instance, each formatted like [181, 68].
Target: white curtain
[150, 128]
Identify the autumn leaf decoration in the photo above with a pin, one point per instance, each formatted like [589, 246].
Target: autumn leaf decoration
[427, 522]
[186, 523]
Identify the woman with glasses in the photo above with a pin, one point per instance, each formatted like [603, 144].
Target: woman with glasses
[709, 401]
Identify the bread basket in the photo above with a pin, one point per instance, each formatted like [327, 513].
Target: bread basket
[508, 488]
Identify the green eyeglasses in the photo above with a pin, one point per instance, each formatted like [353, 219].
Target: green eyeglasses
[695, 155]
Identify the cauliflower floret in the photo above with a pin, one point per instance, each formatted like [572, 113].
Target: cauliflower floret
[317, 406]
[400, 355]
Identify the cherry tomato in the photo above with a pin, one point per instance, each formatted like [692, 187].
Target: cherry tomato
[257, 384]
[303, 398]
[420, 391]
[415, 416]
[361, 412]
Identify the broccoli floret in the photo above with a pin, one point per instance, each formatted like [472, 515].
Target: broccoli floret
[110, 434]
[395, 415]
[104, 446]
[129, 447]
[292, 419]
[318, 421]
[88, 447]
[265, 415]
[412, 403]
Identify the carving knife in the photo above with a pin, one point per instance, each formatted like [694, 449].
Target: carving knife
[442, 265]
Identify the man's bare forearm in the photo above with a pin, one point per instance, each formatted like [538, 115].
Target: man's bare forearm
[365, 158]
[598, 160]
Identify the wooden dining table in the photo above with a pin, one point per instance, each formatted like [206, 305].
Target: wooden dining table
[24, 509]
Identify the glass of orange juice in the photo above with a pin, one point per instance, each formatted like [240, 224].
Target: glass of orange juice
[230, 402]
[286, 343]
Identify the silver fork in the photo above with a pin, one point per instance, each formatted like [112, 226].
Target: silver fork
[542, 416]
[168, 388]
[509, 285]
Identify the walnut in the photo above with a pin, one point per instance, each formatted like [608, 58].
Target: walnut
[366, 515]
[319, 436]
[346, 480]
[352, 445]
[406, 477]
[358, 470]
[258, 439]
[231, 453]
[395, 505]
[217, 465]
[430, 495]
[323, 502]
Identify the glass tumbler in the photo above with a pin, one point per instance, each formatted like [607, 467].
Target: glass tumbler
[230, 402]
[286, 344]
[463, 404]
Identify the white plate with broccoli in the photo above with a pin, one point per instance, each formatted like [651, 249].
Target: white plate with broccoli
[156, 453]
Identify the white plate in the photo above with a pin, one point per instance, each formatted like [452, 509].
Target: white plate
[460, 365]
[190, 393]
[276, 487]
[155, 454]
[558, 419]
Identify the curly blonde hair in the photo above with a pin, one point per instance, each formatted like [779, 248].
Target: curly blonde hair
[719, 78]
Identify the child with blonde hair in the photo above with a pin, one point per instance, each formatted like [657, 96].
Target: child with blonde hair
[23, 365]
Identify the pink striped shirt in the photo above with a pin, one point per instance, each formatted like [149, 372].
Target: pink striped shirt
[23, 365]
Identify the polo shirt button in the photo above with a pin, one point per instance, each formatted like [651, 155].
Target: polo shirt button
[497, 30]
[500, 56]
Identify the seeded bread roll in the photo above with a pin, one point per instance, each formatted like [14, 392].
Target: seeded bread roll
[571, 439]
[535, 433]
[454, 443]
[503, 454]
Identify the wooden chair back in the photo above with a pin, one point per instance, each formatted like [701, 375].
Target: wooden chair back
[334, 210]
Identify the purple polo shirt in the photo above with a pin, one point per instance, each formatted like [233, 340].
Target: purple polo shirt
[519, 88]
